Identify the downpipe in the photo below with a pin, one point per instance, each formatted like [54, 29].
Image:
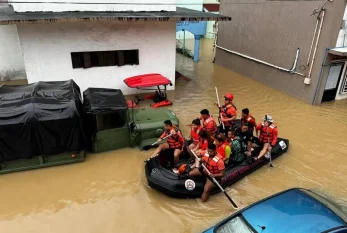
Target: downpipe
[308, 78]
[314, 36]
[292, 70]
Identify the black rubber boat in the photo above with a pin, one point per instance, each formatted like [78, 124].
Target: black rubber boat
[161, 177]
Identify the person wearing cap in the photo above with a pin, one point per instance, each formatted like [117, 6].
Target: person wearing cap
[268, 135]
[208, 122]
[248, 118]
[227, 113]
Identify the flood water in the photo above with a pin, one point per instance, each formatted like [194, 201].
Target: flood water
[108, 192]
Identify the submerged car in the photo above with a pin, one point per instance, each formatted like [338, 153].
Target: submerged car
[291, 211]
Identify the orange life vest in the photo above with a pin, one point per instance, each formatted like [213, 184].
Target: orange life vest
[225, 114]
[212, 130]
[203, 143]
[266, 134]
[195, 135]
[213, 164]
[175, 141]
[221, 149]
[251, 121]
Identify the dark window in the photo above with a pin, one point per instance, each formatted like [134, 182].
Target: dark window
[104, 58]
[111, 120]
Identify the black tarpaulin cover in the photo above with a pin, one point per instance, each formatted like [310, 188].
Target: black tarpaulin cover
[103, 100]
[43, 118]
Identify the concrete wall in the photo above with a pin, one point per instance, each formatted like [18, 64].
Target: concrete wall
[124, 5]
[193, 5]
[11, 59]
[272, 31]
[47, 51]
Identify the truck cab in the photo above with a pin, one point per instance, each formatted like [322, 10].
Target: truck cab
[110, 124]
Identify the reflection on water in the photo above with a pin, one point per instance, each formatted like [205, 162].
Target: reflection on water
[109, 192]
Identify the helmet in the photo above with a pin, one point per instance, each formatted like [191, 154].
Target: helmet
[268, 118]
[229, 96]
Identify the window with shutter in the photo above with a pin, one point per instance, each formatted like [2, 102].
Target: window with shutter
[104, 58]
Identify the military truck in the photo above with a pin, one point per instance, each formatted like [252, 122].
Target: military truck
[110, 124]
[45, 124]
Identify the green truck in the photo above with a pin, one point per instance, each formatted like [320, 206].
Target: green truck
[45, 124]
[110, 124]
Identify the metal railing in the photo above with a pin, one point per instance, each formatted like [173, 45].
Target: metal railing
[181, 48]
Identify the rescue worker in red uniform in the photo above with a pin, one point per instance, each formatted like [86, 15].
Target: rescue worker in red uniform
[227, 114]
[247, 117]
[215, 164]
[267, 137]
[175, 141]
[194, 137]
[208, 122]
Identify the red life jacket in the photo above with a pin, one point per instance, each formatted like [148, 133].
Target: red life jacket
[221, 149]
[175, 141]
[266, 134]
[195, 135]
[213, 164]
[203, 143]
[225, 114]
[251, 121]
[212, 130]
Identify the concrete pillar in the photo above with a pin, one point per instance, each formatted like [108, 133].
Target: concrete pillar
[197, 48]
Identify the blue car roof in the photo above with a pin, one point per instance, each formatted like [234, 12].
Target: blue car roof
[292, 211]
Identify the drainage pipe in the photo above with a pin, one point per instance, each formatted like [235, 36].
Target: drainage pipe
[314, 36]
[316, 46]
[320, 75]
[266, 63]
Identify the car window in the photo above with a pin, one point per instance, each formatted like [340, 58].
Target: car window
[235, 225]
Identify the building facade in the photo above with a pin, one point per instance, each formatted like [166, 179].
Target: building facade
[11, 59]
[286, 45]
[97, 46]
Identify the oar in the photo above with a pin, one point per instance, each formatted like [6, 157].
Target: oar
[216, 182]
[147, 147]
[220, 114]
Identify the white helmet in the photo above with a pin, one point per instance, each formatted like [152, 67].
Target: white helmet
[268, 118]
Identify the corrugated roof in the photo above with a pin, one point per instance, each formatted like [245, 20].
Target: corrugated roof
[8, 16]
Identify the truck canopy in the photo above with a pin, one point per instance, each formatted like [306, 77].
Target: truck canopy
[103, 100]
[43, 118]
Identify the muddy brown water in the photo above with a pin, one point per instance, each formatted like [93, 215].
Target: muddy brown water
[109, 193]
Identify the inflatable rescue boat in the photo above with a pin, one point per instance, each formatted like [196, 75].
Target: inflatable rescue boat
[161, 177]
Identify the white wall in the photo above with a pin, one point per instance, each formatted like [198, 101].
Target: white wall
[193, 5]
[11, 59]
[149, 5]
[47, 49]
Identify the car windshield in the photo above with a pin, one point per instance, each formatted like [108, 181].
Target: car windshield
[339, 210]
[235, 225]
